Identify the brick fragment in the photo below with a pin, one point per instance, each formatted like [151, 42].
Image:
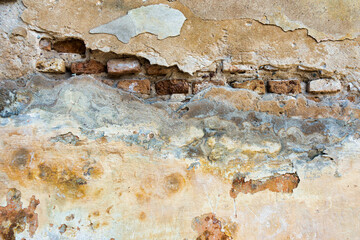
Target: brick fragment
[118, 67]
[324, 86]
[54, 65]
[253, 85]
[135, 86]
[69, 58]
[87, 67]
[167, 87]
[201, 85]
[45, 44]
[70, 46]
[285, 86]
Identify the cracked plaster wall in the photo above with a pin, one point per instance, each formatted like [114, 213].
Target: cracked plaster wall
[242, 124]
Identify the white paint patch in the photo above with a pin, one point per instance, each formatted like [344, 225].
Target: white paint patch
[159, 19]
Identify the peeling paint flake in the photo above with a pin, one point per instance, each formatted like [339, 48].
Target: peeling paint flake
[160, 20]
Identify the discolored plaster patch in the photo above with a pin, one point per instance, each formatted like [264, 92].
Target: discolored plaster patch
[160, 20]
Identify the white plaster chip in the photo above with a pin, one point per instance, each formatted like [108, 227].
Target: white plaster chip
[159, 19]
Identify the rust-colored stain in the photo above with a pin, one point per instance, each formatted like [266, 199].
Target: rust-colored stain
[142, 216]
[27, 166]
[285, 183]
[169, 186]
[174, 182]
[209, 228]
[65, 179]
[14, 218]
[62, 228]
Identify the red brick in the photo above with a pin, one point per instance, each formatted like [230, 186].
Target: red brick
[167, 87]
[137, 86]
[284, 86]
[87, 67]
[70, 46]
[117, 67]
[201, 85]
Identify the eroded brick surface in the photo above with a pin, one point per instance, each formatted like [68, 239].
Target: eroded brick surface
[118, 67]
[87, 67]
[157, 70]
[253, 85]
[136, 86]
[70, 46]
[167, 87]
[54, 65]
[284, 86]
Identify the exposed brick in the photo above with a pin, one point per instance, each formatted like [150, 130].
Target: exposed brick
[45, 44]
[54, 65]
[136, 86]
[117, 67]
[253, 85]
[201, 85]
[284, 86]
[158, 70]
[87, 67]
[324, 86]
[70, 46]
[172, 86]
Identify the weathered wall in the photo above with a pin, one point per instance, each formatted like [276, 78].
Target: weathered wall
[135, 119]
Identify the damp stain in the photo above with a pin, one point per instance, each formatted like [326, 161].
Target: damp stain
[28, 168]
[173, 183]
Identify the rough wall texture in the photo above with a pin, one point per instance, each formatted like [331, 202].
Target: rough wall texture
[132, 119]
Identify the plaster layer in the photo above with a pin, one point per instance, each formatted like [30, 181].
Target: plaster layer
[201, 42]
[145, 173]
[256, 137]
[324, 19]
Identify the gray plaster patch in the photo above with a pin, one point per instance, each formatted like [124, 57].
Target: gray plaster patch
[159, 19]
